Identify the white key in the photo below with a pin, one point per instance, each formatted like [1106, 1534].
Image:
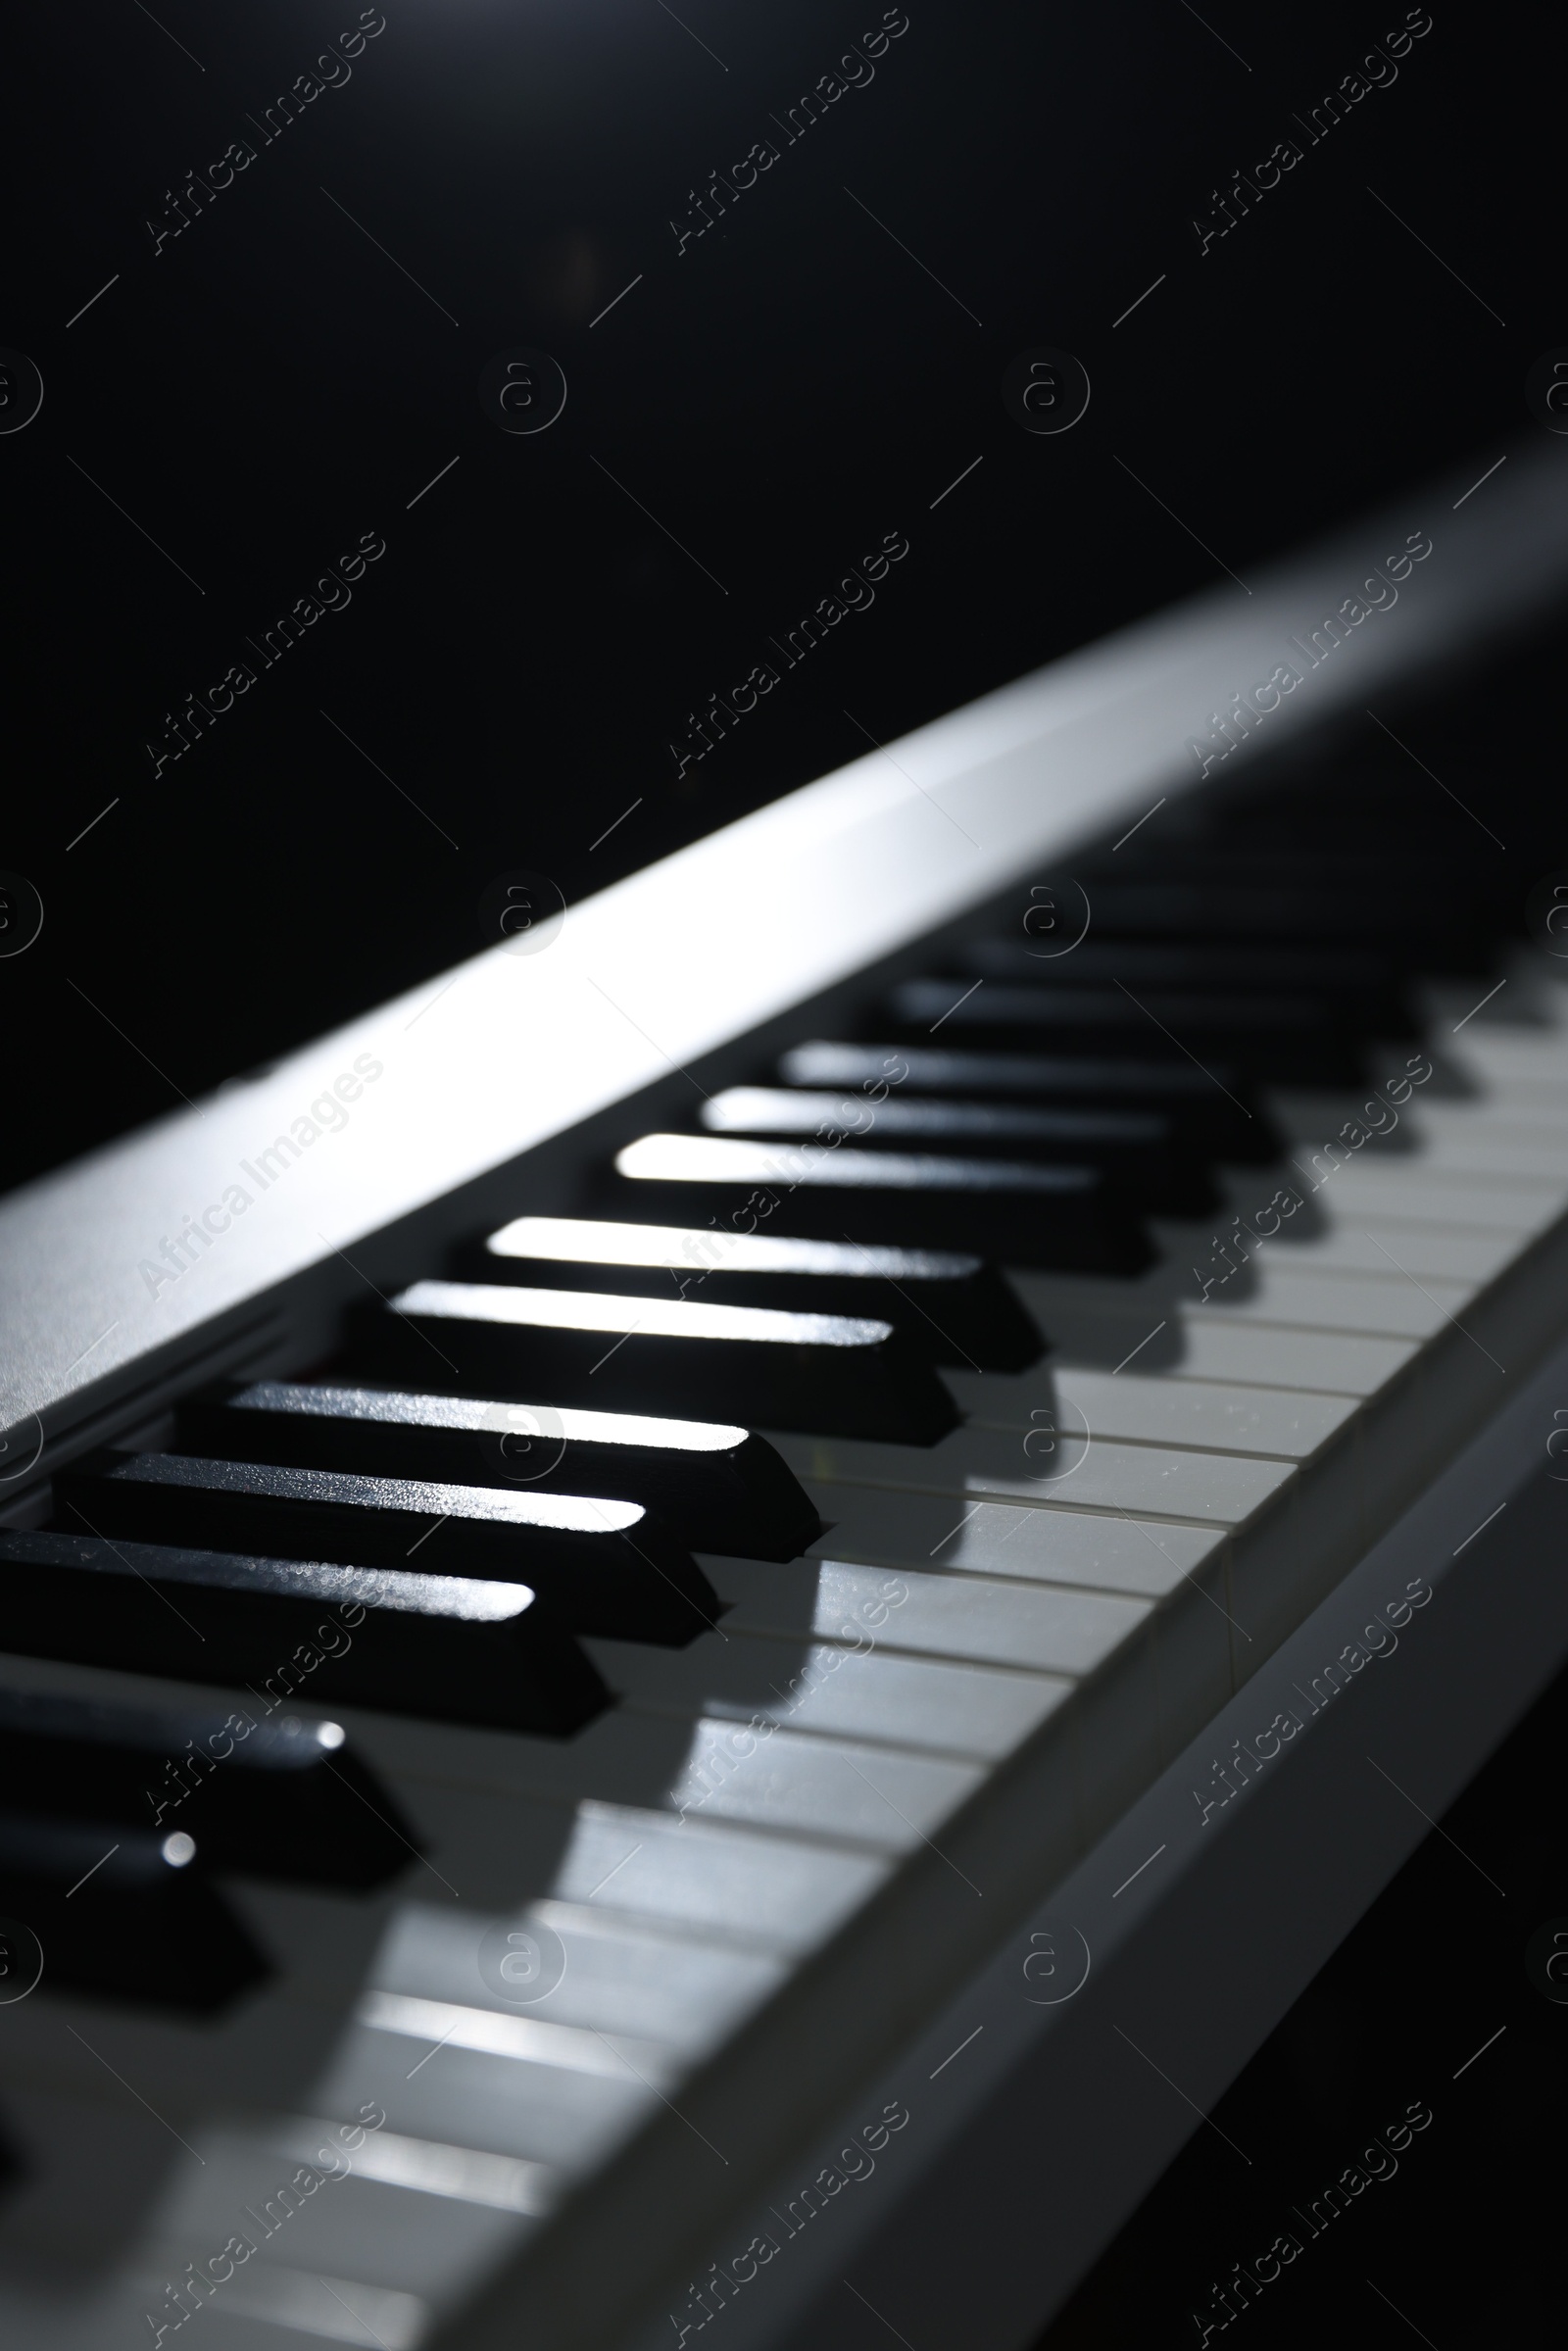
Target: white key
[1048, 1466]
[433, 2166]
[878, 1796]
[897, 1701]
[437, 2089]
[642, 1757]
[1393, 1309]
[1518, 1114]
[1389, 1197]
[1151, 1410]
[1538, 1102]
[608, 1974]
[267, 2303]
[1493, 1148]
[1271, 1355]
[388, 2232]
[712, 1879]
[1509, 1059]
[1364, 1245]
[964, 1616]
[524, 2041]
[1097, 1553]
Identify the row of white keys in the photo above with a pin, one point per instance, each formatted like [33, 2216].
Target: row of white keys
[1278, 1370]
[640, 2001]
[678, 1923]
[1034, 1459]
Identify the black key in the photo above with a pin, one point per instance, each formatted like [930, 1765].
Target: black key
[596, 1565]
[276, 1800]
[1181, 963]
[1346, 976]
[1213, 1108]
[713, 1486]
[1065, 1218]
[1284, 1038]
[122, 1913]
[1136, 1150]
[952, 1309]
[818, 1372]
[447, 1647]
[1265, 910]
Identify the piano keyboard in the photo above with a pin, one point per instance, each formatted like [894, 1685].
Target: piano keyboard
[517, 1770]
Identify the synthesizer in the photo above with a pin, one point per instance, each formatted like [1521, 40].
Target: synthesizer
[591, 1559]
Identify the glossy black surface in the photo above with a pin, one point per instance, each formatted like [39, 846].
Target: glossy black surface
[1134, 1152]
[286, 1631]
[734, 1496]
[1053, 1216]
[1292, 1039]
[1213, 1110]
[1362, 980]
[597, 1565]
[119, 1920]
[273, 1797]
[849, 1378]
[950, 1306]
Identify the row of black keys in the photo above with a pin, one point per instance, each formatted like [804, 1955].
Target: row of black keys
[534, 1523]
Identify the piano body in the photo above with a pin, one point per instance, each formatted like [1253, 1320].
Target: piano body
[693, 1621]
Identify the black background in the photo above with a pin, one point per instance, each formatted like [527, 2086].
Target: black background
[1431, 2000]
[791, 386]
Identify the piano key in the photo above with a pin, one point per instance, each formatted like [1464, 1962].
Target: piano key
[713, 1485]
[1160, 1412]
[493, 2098]
[1136, 1149]
[393, 1638]
[950, 1307]
[403, 2218]
[1049, 1464]
[1371, 982]
[1514, 1115]
[427, 2164]
[1452, 1252]
[286, 2303]
[595, 1972]
[781, 1369]
[844, 1692]
[123, 1913]
[709, 1876]
[1515, 1154]
[1212, 1108]
[1275, 1356]
[1276, 1037]
[1099, 1551]
[1210, 911]
[985, 1126]
[1515, 1063]
[976, 1619]
[1006, 1209]
[567, 2049]
[630, 1756]
[284, 1799]
[1408, 1192]
[1146, 1676]
[594, 1836]
[593, 1565]
[1435, 1144]
[696, 1765]
[881, 1796]
[1400, 1307]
